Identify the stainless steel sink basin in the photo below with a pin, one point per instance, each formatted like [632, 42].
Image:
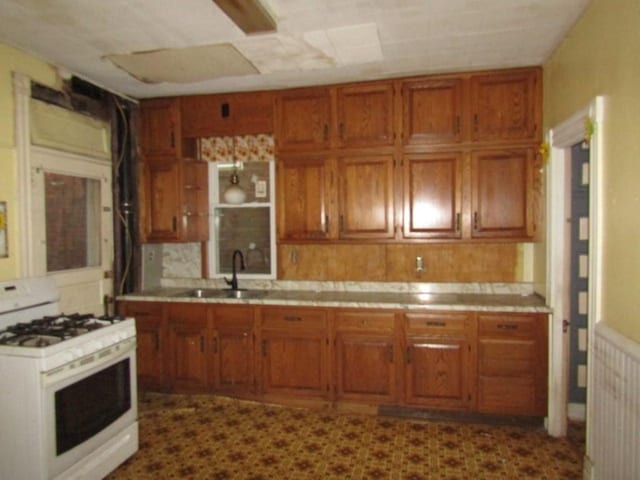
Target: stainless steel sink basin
[222, 293]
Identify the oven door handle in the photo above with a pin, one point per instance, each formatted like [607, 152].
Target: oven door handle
[94, 361]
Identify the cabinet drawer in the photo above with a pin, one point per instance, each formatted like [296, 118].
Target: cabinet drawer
[142, 309]
[437, 323]
[364, 321]
[507, 395]
[231, 316]
[294, 318]
[512, 326]
[507, 358]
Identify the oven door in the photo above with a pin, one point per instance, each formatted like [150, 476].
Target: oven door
[88, 403]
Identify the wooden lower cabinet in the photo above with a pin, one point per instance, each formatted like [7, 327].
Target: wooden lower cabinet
[439, 360]
[489, 362]
[150, 342]
[294, 352]
[512, 363]
[188, 353]
[233, 346]
[365, 356]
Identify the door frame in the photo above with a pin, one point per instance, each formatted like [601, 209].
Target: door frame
[560, 138]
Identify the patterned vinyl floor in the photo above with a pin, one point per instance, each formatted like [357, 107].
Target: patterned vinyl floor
[215, 438]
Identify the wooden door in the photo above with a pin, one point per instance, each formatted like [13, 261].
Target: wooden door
[160, 127]
[432, 195]
[302, 119]
[439, 360]
[304, 191]
[151, 343]
[206, 115]
[188, 340]
[502, 193]
[365, 115]
[162, 191]
[505, 106]
[195, 205]
[512, 363]
[433, 111]
[365, 196]
[233, 349]
[365, 357]
[294, 352]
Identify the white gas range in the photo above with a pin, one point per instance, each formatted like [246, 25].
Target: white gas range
[68, 401]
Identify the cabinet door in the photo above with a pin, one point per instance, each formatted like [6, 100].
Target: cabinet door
[160, 127]
[302, 120]
[432, 111]
[233, 349]
[432, 195]
[162, 192]
[365, 115]
[294, 352]
[303, 198]
[365, 357]
[365, 196]
[505, 106]
[151, 343]
[502, 193]
[437, 372]
[188, 340]
[512, 364]
[227, 114]
[439, 360]
[195, 207]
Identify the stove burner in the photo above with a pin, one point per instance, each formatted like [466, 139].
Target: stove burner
[48, 330]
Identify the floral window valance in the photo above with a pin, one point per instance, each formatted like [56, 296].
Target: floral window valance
[240, 148]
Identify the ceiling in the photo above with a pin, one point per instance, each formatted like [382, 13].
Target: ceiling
[166, 47]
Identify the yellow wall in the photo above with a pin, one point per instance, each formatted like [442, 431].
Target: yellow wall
[12, 60]
[601, 56]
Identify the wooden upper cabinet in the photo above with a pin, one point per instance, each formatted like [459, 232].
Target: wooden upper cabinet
[433, 111]
[160, 127]
[162, 200]
[432, 195]
[365, 196]
[195, 204]
[227, 114]
[505, 106]
[303, 119]
[365, 115]
[303, 198]
[501, 190]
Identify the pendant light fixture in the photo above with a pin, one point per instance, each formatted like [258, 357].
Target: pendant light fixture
[234, 193]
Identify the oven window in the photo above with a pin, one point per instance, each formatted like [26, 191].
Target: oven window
[86, 407]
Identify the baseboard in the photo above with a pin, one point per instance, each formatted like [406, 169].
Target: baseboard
[577, 412]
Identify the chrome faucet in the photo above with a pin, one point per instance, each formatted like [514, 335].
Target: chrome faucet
[234, 277]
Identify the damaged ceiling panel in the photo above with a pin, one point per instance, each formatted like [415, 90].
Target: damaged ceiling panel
[185, 65]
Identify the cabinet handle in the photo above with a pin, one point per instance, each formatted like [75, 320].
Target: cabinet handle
[157, 341]
[475, 122]
[201, 344]
[476, 220]
[264, 348]
[433, 323]
[391, 354]
[325, 134]
[175, 223]
[458, 222]
[293, 318]
[325, 227]
[507, 326]
[172, 139]
[409, 355]
[341, 223]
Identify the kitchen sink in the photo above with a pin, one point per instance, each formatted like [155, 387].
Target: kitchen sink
[222, 293]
